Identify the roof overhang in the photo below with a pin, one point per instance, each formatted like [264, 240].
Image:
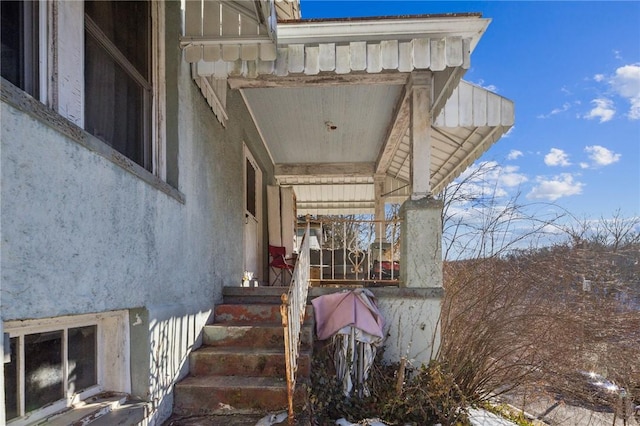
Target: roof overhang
[331, 101]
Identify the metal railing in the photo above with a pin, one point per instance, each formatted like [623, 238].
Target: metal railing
[355, 251]
[292, 311]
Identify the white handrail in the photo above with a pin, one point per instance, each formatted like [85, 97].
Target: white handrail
[292, 311]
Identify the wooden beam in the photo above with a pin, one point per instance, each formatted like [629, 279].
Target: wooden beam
[325, 169]
[420, 134]
[322, 79]
[396, 132]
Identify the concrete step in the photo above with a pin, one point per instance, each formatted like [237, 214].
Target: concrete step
[232, 394]
[263, 362]
[251, 313]
[265, 335]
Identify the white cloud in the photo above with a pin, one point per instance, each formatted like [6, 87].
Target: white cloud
[514, 154]
[489, 87]
[626, 83]
[598, 77]
[557, 157]
[488, 178]
[601, 156]
[584, 165]
[565, 107]
[603, 109]
[556, 187]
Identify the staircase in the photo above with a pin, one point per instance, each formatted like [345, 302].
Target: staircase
[240, 368]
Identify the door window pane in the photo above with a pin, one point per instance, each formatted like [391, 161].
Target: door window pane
[251, 188]
[19, 36]
[82, 358]
[43, 369]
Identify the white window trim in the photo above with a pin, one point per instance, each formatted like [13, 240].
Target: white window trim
[111, 346]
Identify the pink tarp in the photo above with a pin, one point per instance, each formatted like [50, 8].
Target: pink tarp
[355, 308]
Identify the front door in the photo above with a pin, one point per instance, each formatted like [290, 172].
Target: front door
[252, 216]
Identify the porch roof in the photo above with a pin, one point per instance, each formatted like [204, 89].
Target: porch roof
[331, 98]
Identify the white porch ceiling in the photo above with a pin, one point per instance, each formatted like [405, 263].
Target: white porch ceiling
[331, 98]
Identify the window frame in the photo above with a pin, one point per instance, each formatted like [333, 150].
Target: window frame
[20, 329]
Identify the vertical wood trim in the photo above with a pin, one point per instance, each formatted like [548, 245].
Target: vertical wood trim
[193, 18]
[389, 54]
[296, 58]
[327, 54]
[158, 133]
[405, 56]
[249, 52]
[479, 106]
[70, 61]
[374, 58]
[211, 18]
[230, 52]
[282, 60]
[211, 53]
[343, 59]
[422, 53]
[358, 53]
[438, 54]
[453, 51]
[312, 60]
[465, 104]
[420, 134]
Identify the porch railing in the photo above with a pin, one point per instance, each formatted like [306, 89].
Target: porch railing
[355, 251]
[292, 311]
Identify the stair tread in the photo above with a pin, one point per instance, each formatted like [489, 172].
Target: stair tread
[255, 382]
[208, 350]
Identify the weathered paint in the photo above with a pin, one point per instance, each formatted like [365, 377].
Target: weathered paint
[84, 231]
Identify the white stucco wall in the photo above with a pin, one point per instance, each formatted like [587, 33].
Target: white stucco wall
[81, 234]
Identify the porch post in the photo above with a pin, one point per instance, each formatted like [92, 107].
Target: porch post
[378, 182]
[421, 264]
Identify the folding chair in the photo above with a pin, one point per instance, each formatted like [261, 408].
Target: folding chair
[279, 265]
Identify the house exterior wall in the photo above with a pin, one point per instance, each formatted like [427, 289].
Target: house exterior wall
[83, 234]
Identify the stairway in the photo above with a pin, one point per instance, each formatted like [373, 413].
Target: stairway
[240, 367]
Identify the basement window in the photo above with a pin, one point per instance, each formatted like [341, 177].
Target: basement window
[54, 363]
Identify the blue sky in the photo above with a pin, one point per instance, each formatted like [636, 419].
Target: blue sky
[573, 71]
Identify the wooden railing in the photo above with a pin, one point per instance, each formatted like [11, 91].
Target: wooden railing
[292, 311]
[354, 251]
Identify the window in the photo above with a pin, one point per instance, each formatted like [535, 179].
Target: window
[20, 35]
[57, 362]
[118, 87]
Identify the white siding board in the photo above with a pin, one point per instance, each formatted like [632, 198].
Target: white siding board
[493, 110]
[296, 58]
[230, 52]
[507, 113]
[249, 52]
[422, 53]
[221, 69]
[453, 51]
[265, 67]
[389, 54]
[248, 27]
[211, 18]
[405, 56]
[230, 24]
[282, 61]
[479, 106]
[251, 69]
[438, 54]
[451, 111]
[465, 104]
[312, 60]
[358, 52]
[193, 53]
[204, 69]
[327, 60]
[466, 52]
[343, 59]
[236, 68]
[268, 52]
[374, 58]
[193, 17]
[211, 53]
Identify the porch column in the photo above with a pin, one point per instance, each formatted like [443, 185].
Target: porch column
[421, 264]
[378, 182]
[420, 134]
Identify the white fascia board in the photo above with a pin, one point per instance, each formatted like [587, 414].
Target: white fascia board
[472, 27]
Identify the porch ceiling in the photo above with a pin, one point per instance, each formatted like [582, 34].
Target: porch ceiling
[331, 100]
